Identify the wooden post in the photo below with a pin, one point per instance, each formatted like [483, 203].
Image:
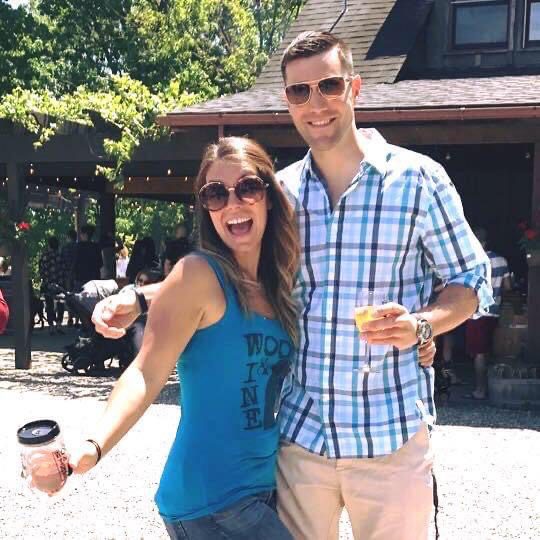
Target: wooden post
[20, 275]
[533, 301]
[107, 220]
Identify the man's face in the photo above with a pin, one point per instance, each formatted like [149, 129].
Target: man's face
[323, 123]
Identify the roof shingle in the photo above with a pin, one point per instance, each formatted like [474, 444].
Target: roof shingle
[419, 94]
[358, 27]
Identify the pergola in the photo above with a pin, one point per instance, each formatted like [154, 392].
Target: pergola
[159, 170]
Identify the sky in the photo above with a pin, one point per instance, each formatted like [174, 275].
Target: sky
[15, 3]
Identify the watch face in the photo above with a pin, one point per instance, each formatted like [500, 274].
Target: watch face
[425, 330]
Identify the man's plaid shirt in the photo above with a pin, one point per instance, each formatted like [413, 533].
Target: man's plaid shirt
[397, 227]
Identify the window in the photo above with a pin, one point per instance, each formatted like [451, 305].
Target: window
[480, 23]
[532, 23]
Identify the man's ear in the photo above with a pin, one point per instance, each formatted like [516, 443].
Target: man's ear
[356, 85]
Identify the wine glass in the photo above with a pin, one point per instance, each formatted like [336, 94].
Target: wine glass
[366, 302]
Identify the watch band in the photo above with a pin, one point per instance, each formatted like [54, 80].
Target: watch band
[143, 304]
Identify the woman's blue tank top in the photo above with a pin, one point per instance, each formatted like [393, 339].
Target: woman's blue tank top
[227, 441]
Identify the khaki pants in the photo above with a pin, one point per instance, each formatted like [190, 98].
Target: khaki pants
[387, 498]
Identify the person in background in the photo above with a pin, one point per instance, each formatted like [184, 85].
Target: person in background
[122, 259]
[143, 255]
[146, 276]
[5, 267]
[479, 331]
[88, 259]
[176, 248]
[106, 243]
[226, 318]
[68, 252]
[52, 272]
[4, 313]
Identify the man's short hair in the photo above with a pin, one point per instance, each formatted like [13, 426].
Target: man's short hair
[308, 44]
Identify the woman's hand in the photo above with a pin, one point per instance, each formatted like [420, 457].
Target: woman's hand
[114, 314]
[84, 458]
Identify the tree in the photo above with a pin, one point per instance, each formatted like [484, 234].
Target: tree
[273, 18]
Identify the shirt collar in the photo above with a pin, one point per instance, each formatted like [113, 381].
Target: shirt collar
[375, 154]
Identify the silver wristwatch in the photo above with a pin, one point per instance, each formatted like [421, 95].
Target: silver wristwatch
[424, 331]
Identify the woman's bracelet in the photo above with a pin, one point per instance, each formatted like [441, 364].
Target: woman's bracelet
[97, 447]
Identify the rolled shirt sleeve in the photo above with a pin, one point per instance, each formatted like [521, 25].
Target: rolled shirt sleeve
[451, 247]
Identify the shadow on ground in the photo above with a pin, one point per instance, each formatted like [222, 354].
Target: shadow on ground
[47, 376]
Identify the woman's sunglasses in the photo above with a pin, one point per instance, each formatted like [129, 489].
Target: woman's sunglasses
[329, 88]
[214, 195]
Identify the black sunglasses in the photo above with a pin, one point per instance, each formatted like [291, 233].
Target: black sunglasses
[330, 88]
[214, 195]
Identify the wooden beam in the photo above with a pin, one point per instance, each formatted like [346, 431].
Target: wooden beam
[166, 185]
[107, 221]
[20, 275]
[533, 299]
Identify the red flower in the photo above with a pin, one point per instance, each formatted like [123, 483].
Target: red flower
[23, 226]
[531, 234]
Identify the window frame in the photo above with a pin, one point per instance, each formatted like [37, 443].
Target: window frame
[527, 26]
[456, 4]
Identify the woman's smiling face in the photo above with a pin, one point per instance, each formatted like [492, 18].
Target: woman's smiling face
[239, 224]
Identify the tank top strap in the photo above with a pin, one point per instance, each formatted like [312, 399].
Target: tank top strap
[227, 288]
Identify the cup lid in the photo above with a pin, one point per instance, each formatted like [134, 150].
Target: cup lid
[38, 432]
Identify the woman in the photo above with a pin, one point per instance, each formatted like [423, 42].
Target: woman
[226, 317]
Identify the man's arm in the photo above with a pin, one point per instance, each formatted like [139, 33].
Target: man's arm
[397, 327]
[454, 253]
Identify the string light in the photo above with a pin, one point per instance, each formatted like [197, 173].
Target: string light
[169, 172]
[148, 179]
[31, 168]
[185, 178]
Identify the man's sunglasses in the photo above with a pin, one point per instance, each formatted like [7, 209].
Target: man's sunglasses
[214, 195]
[330, 88]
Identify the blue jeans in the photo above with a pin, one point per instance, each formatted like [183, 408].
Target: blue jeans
[251, 518]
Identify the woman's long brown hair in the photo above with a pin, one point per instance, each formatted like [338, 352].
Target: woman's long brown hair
[280, 251]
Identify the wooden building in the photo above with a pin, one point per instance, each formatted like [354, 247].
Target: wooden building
[456, 79]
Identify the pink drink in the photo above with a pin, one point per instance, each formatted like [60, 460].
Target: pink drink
[48, 472]
[45, 463]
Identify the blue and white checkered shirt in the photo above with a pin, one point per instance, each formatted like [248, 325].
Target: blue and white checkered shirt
[397, 226]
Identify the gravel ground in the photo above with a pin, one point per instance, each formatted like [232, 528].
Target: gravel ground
[487, 463]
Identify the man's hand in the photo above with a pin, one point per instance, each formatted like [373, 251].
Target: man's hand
[393, 325]
[114, 314]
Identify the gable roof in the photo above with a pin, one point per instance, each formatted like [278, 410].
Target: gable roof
[359, 28]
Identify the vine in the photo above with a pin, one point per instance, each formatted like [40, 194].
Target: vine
[127, 105]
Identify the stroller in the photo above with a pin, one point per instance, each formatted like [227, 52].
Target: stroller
[90, 351]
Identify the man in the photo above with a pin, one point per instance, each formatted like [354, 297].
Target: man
[88, 259]
[370, 217]
[479, 330]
